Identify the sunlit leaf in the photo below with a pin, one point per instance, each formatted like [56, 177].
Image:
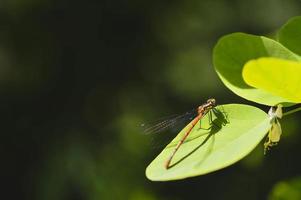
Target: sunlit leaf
[233, 51]
[290, 35]
[208, 150]
[276, 76]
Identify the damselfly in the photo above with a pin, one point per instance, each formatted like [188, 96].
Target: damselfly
[197, 114]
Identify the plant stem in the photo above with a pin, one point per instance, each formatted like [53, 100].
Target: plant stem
[292, 111]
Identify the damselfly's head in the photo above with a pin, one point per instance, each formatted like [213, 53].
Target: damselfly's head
[206, 106]
[212, 102]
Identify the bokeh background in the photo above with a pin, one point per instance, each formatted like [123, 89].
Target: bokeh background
[77, 78]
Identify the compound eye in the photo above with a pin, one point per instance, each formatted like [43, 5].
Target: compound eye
[212, 101]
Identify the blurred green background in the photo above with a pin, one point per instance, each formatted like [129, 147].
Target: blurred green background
[78, 78]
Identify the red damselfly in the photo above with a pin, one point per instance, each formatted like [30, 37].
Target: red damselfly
[196, 114]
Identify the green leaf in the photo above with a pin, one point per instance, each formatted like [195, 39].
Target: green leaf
[206, 151]
[234, 50]
[287, 189]
[276, 76]
[290, 35]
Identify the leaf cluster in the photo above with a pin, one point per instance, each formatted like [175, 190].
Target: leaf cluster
[260, 69]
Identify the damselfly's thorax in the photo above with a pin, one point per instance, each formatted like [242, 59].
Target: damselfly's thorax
[204, 108]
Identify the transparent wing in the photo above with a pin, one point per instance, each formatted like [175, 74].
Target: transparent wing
[168, 122]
